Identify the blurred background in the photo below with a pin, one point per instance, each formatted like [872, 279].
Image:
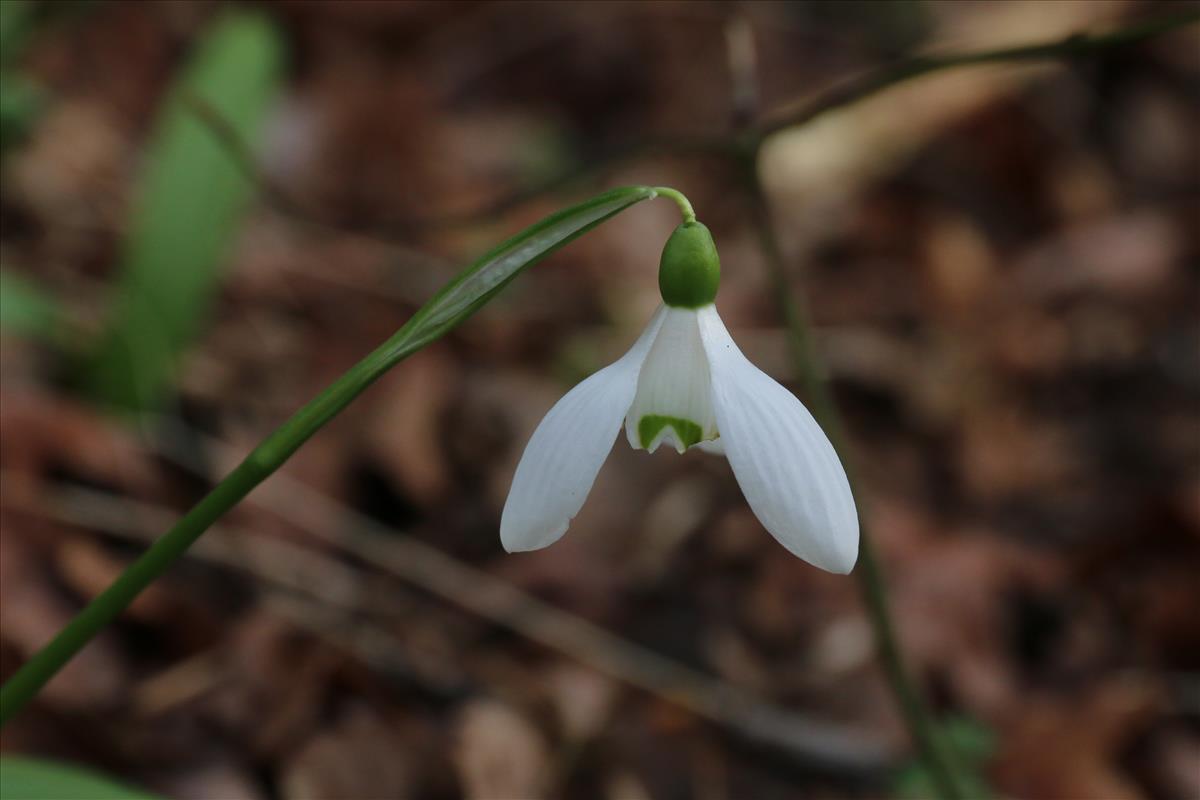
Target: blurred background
[211, 210]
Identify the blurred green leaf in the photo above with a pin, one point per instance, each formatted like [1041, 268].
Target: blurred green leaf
[973, 740]
[455, 302]
[25, 309]
[190, 202]
[479, 282]
[20, 98]
[33, 779]
[21, 102]
[21, 20]
[973, 743]
[16, 20]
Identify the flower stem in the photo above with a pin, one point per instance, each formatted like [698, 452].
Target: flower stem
[455, 302]
[939, 758]
[263, 461]
[1078, 45]
[685, 205]
[798, 114]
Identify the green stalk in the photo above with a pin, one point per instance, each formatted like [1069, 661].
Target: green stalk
[743, 149]
[449, 307]
[685, 205]
[939, 758]
[792, 115]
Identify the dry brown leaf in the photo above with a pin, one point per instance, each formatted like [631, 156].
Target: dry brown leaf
[360, 756]
[276, 676]
[946, 592]
[499, 753]
[88, 569]
[404, 431]
[1066, 748]
[583, 698]
[211, 781]
[44, 433]
[31, 613]
[1131, 254]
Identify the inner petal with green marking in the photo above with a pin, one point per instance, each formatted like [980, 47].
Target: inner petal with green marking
[673, 403]
[687, 433]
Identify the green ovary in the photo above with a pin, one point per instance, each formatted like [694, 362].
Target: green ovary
[687, 432]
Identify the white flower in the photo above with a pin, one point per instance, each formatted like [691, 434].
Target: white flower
[686, 383]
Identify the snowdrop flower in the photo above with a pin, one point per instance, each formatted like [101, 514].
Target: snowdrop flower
[686, 384]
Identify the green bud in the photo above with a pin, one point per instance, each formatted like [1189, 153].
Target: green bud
[690, 270]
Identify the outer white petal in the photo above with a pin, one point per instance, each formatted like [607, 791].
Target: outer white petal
[788, 470]
[565, 453]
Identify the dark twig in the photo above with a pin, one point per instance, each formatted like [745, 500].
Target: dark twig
[275, 196]
[720, 146]
[863, 86]
[939, 757]
[821, 745]
[743, 148]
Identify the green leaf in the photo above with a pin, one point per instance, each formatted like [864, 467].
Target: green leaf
[15, 24]
[460, 298]
[21, 103]
[479, 282]
[34, 779]
[189, 206]
[22, 20]
[456, 301]
[973, 742]
[25, 309]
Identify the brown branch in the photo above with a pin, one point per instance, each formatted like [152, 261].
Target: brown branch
[561, 631]
[735, 146]
[822, 745]
[888, 75]
[937, 754]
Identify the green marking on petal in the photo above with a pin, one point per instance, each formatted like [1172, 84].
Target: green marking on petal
[687, 432]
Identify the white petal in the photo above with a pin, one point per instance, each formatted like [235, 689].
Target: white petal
[673, 387]
[565, 453]
[788, 470]
[714, 447]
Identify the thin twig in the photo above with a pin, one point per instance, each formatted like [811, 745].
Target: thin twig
[822, 745]
[851, 91]
[454, 303]
[278, 198]
[724, 146]
[553, 629]
[938, 756]
[888, 75]
[940, 761]
[744, 148]
[410, 559]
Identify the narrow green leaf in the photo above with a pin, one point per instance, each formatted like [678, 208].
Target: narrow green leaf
[492, 272]
[189, 205]
[16, 19]
[21, 103]
[35, 779]
[458, 300]
[973, 742]
[25, 309]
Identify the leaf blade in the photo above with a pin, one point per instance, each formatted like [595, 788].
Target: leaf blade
[491, 272]
[27, 310]
[24, 778]
[189, 206]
